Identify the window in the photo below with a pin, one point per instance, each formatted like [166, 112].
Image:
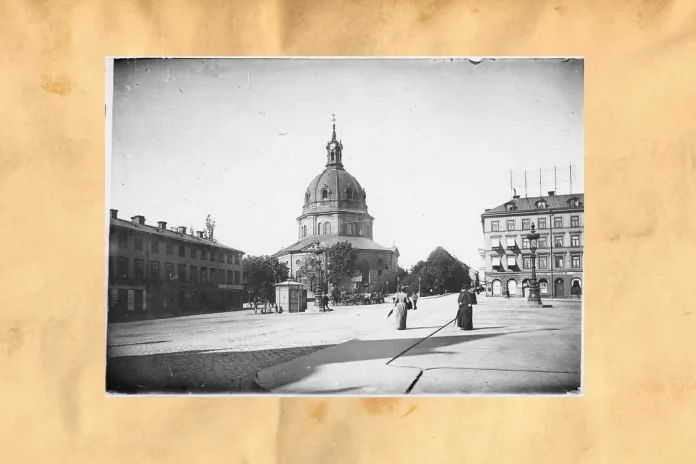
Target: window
[221, 276]
[511, 261]
[221, 257]
[319, 228]
[525, 224]
[237, 279]
[349, 194]
[542, 223]
[139, 268]
[324, 194]
[139, 243]
[182, 273]
[304, 231]
[558, 222]
[230, 278]
[544, 287]
[558, 261]
[236, 259]
[204, 275]
[543, 262]
[229, 259]
[122, 241]
[574, 221]
[193, 274]
[122, 267]
[495, 243]
[575, 240]
[558, 240]
[154, 270]
[204, 254]
[327, 228]
[194, 252]
[154, 246]
[495, 262]
[543, 242]
[527, 263]
[182, 250]
[525, 243]
[575, 261]
[541, 205]
[306, 197]
[213, 275]
[494, 226]
[213, 256]
[511, 224]
[170, 249]
[168, 271]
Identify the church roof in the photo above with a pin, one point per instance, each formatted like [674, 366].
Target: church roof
[532, 203]
[359, 243]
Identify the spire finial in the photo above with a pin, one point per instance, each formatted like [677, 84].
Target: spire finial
[333, 118]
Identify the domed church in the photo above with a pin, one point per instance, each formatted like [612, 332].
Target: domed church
[335, 210]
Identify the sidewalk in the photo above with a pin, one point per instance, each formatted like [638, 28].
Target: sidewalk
[511, 351]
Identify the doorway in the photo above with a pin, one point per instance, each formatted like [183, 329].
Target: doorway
[512, 287]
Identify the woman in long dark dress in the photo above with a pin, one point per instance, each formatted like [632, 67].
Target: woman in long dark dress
[400, 307]
[465, 313]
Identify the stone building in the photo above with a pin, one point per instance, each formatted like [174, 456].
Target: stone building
[559, 219]
[154, 271]
[335, 210]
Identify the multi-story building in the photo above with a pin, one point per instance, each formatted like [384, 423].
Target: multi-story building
[158, 270]
[559, 219]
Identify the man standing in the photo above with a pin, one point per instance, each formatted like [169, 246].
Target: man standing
[415, 300]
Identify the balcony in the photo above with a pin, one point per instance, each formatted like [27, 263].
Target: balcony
[511, 244]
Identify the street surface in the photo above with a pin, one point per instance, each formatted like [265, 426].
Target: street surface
[213, 353]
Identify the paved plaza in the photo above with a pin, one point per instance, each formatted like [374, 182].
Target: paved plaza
[353, 350]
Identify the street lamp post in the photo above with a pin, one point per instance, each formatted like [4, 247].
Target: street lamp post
[318, 293]
[419, 285]
[534, 294]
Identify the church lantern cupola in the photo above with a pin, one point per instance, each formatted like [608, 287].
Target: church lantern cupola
[334, 149]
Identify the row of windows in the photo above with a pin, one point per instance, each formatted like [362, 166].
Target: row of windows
[558, 241]
[169, 249]
[350, 228]
[541, 223]
[220, 276]
[543, 262]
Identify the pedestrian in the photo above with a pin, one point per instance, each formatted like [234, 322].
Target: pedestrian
[474, 300]
[415, 300]
[465, 312]
[400, 305]
[325, 302]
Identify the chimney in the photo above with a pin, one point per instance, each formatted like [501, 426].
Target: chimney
[552, 193]
[114, 213]
[516, 197]
[200, 233]
[138, 219]
[162, 225]
[182, 230]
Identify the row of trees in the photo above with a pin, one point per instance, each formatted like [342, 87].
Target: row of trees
[440, 273]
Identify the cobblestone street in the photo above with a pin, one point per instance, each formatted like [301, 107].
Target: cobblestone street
[214, 353]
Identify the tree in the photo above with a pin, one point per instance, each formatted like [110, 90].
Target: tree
[261, 273]
[340, 262]
[440, 273]
[210, 228]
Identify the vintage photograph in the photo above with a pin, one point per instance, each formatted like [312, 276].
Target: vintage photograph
[344, 226]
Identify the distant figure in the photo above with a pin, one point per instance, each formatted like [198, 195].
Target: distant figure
[415, 300]
[325, 303]
[280, 310]
[401, 301]
[465, 313]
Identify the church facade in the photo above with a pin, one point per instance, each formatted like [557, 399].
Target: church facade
[335, 210]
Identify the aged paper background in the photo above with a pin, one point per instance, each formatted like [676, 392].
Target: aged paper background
[640, 172]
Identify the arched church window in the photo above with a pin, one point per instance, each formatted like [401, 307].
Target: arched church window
[333, 157]
[327, 228]
[306, 197]
[324, 194]
[319, 228]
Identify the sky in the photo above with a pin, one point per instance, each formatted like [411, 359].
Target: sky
[432, 141]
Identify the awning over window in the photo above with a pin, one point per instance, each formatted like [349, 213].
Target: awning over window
[511, 243]
[511, 261]
[496, 262]
[495, 242]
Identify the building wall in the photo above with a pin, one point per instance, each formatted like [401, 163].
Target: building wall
[161, 291]
[514, 249]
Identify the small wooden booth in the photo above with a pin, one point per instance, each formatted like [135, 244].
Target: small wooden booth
[291, 296]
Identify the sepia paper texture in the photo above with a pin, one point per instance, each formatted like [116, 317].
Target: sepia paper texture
[640, 170]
